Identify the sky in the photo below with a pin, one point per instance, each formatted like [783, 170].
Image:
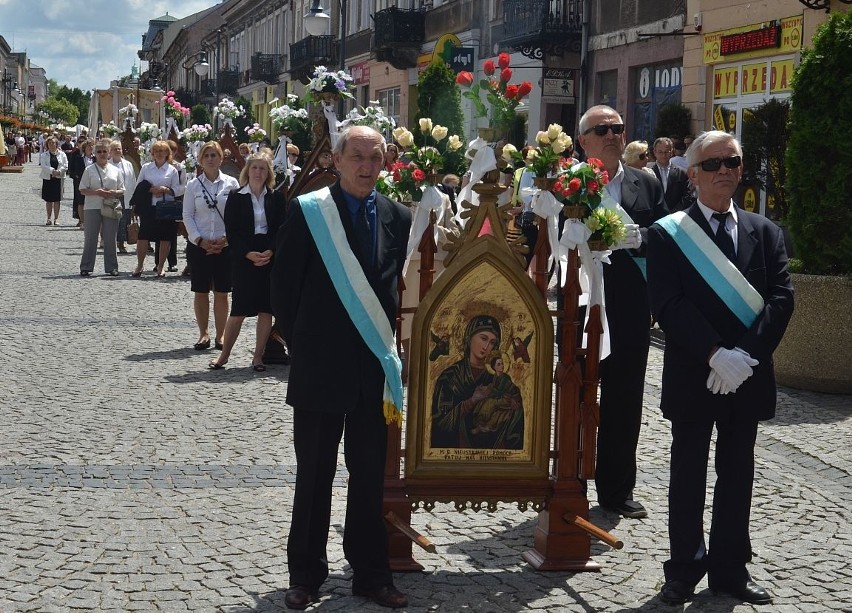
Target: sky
[85, 43]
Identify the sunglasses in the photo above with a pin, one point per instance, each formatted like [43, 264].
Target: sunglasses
[602, 129]
[643, 156]
[714, 164]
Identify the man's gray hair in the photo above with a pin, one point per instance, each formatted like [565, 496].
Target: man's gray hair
[344, 136]
[704, 140]
[664, 140]
[584, 120]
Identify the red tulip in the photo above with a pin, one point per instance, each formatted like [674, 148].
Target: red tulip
[464, 78]
[503, 60]
[418, 175]
[524, 89]
[511, 92]
[488, 67]
[574, 184]
[506, 75]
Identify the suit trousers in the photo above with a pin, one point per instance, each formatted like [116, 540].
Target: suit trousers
[729, 544]
[365, 542]
[96, 224]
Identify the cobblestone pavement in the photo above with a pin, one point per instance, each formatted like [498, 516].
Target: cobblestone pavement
[132, 478]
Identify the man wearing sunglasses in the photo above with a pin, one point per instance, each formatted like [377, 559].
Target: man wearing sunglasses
[719, 287]
[628, 315]
[675, 184]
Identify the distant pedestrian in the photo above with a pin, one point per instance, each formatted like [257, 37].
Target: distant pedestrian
[125, 167]
[53, 163]
[102, 186]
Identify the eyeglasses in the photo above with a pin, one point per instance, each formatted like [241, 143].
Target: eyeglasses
[643, 156]
[602, 129]
[101, 151]
[714, 164]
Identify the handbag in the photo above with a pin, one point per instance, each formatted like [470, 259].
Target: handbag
[168, 210]
[132, 233]
[111, 208]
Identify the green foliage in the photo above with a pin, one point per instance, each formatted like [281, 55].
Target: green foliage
[246, 121]
[673, 120]
[60, 109]
[75, 96]
[819, 159]
[764, 140]
[438, 98]
[199, 115]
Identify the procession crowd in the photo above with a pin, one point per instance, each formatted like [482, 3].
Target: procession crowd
[241, 242]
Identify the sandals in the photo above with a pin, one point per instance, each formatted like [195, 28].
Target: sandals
[214, 365]
[202, 345]
[259, 367]
[137, 272]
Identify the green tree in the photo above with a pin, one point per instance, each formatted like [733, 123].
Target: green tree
[241, 123]
[673, 120]
[199, 115]
[74, 95]
[819, 160]
[60, 109]
[439, 98]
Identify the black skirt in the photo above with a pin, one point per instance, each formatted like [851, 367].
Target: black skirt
[51, 189]
[250, 283]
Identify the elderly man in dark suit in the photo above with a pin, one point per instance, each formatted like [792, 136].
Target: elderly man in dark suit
[719, 287]
[336, 381]
[676, 191]
[602, 136]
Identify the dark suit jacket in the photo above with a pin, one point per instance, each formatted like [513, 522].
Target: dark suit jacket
[677, 195]
[239, 222]
[330, 365]
[695, 320]
[627, 309]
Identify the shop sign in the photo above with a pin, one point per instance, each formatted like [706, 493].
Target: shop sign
[658, 77]
[558, 83]
[789, 35]
[360, 73]
[461, 59]
[750, 199]
[751, 40]
[781, 73]
[754, 78]
[726, 82]
[724, 119]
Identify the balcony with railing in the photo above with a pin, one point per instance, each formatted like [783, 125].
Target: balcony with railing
[536, 27]
[310, 52]
[398, 35]
[266, 67]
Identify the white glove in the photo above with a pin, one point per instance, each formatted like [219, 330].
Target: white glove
[733, 365]
[717, 384]
[633, 238]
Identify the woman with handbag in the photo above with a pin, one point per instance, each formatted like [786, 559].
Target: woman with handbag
[116, 153]
[54, 164]
[252, 217]
[207, 248]
[102, 186]
[158, 217]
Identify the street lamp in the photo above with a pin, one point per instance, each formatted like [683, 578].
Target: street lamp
[9, 84]
[318, 21]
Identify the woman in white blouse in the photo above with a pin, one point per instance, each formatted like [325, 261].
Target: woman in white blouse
[165, 186]
[207, 248]
[116, 153]
[101, 184]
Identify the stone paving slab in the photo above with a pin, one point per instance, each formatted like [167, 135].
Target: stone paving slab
[132, 478]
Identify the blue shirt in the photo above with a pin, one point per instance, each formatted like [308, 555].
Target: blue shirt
[353, 204]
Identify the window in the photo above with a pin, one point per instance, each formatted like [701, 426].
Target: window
[389, 100]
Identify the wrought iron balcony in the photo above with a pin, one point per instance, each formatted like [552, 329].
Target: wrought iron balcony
[536, 27]
[229, 82]
[310, 52]
[821, 4]
[398, 35]
[266, 67]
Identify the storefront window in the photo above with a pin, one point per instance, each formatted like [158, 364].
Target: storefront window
[654, 87]
[608, 88]
[389, 100]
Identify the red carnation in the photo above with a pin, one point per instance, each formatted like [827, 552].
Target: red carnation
[592, 186]
[574, 185]
[488, 67]
[418, 175]
[511, 92]
[506, 75]
[464, 78]
[503, 60]
[524, 89]
[566, 193]
[595, 163]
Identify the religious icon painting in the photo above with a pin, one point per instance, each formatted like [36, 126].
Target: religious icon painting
[480, 398]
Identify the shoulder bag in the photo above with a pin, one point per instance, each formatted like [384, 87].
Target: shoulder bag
[110, 207]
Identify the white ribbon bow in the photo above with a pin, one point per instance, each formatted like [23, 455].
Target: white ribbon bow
[482, 160]
[547, 207]
[431, 201]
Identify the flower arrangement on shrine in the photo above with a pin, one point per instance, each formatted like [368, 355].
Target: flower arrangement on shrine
[502, 97]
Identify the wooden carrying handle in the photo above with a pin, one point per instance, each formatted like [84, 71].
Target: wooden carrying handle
[595, 531]
[394, 520]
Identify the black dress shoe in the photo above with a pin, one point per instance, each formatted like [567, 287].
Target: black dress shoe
[299, 597]
[627, 508]
[202, 345]
[676, 592]
[749, 592]
[385, 596]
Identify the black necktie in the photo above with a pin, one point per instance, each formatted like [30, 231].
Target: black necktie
[363, 232]
[723, 237]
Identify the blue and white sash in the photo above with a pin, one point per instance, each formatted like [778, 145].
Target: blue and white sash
[355, 292]
[714, 267]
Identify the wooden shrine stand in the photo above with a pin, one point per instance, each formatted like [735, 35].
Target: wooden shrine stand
[562, 537]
